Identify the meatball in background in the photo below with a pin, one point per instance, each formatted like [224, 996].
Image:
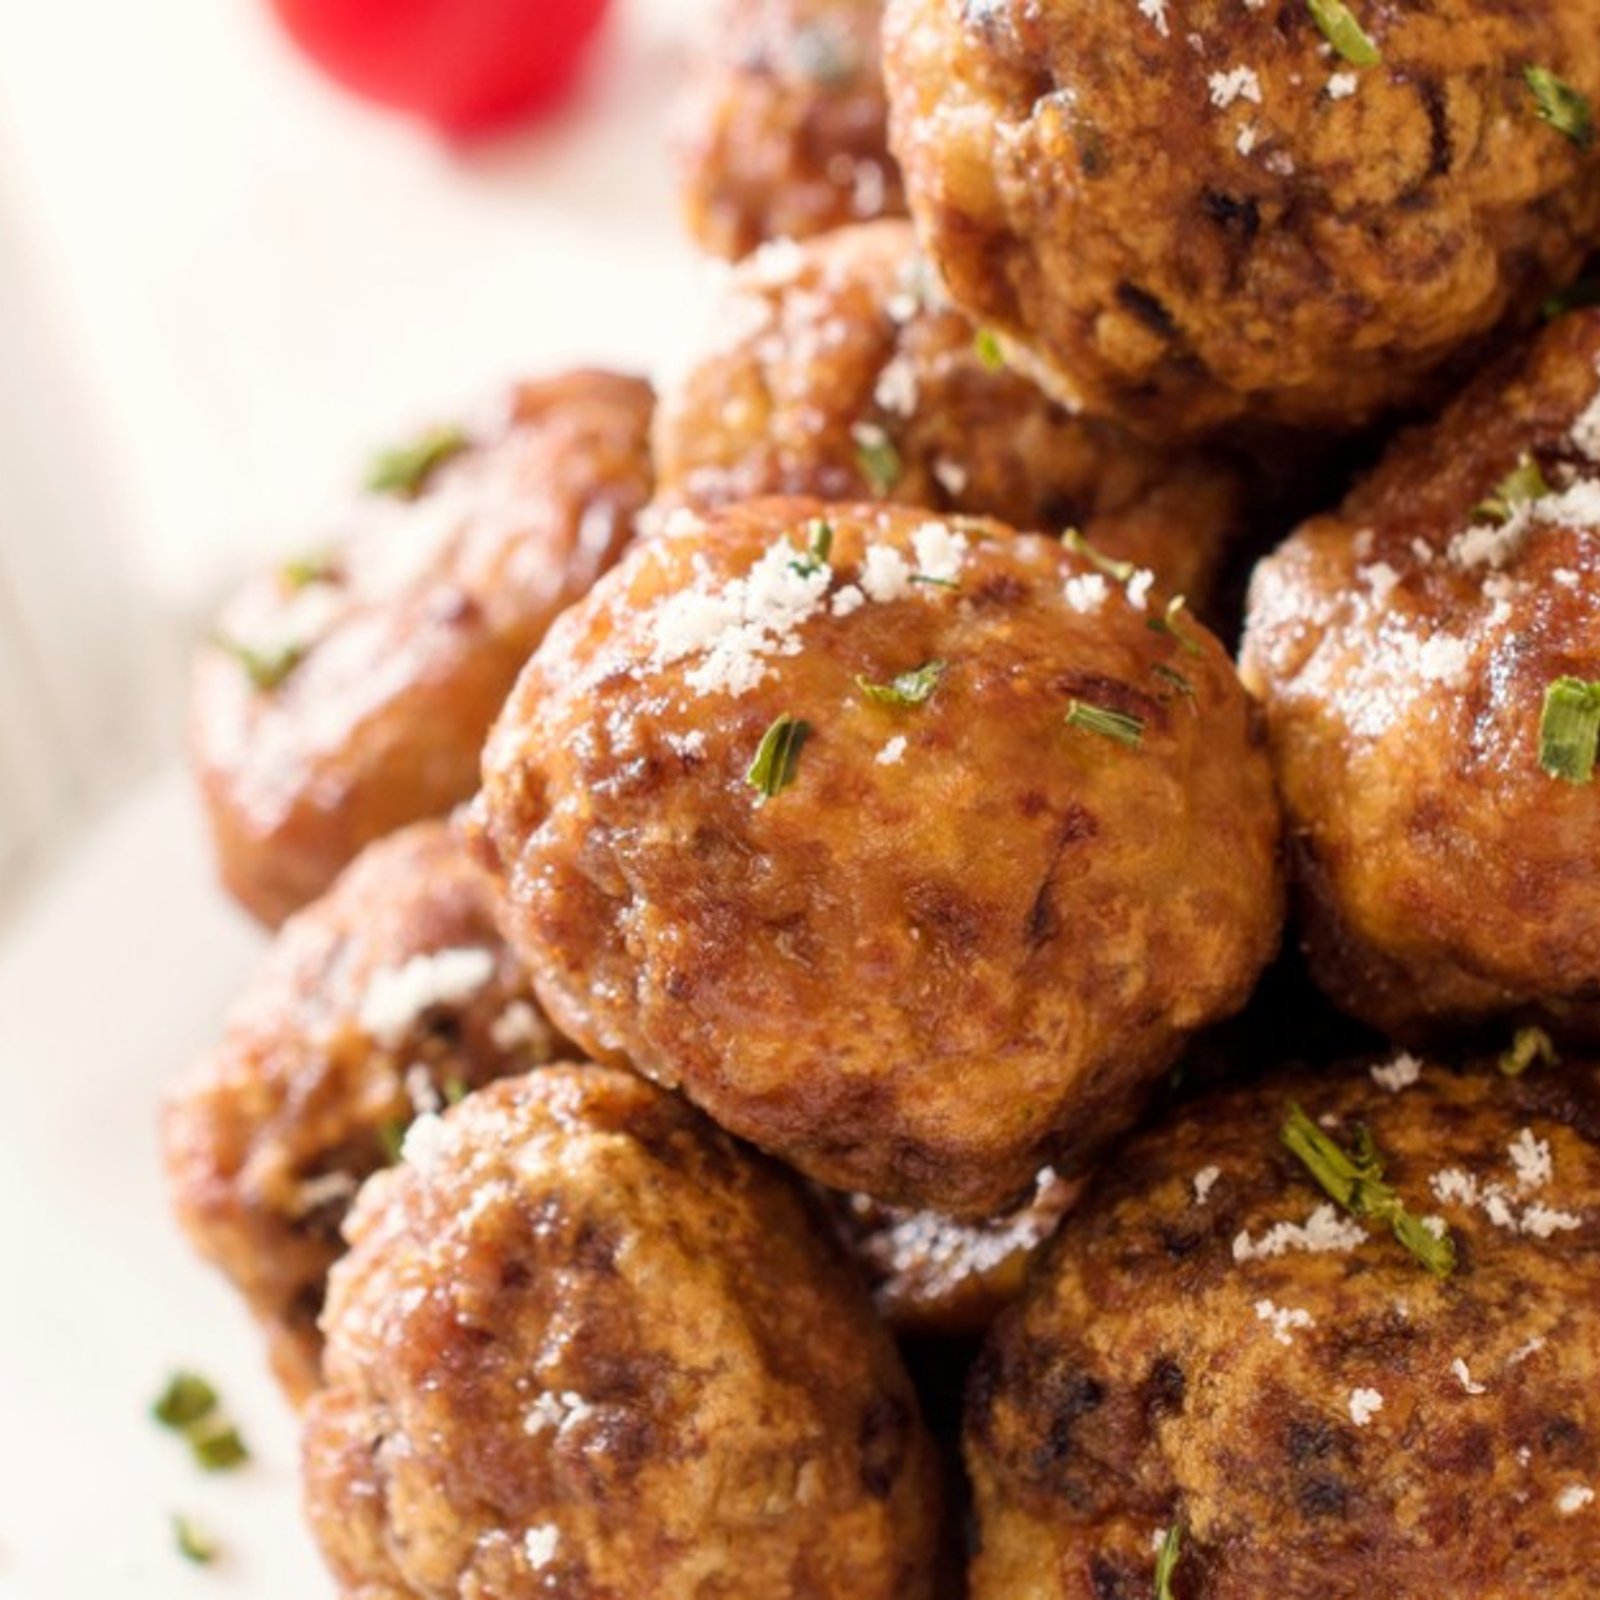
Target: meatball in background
[1190, 216]
[843, 373]
[389, 996]
[348, 693]
[1406, 649]
[1216, 1346]
[911, 850]
[586, 1344]
[782, 132]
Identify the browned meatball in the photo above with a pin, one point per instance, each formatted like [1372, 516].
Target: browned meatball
[938, 1275]
[1193, 214]
[348, 694]
[584, 1344]
[1214, 1345]
[843, 374]
[782, 133]
[909, 848]
[1405, 647]
[389, 996]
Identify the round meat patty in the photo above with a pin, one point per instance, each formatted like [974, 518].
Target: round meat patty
[782, 132]
[1418, 653]
[1219, 1363]
[348, 693]
[1196, 215]
[839, 371]
[585, 1344]
[911, 849]
[388, 997]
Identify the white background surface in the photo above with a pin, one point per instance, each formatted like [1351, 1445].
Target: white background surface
[220, 284]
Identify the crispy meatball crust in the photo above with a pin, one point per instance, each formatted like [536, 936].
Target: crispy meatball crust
[1403, 647]
[783, 132]
[315, 1080]
[418, 615]
[841, 373]
[1200, 214]
[587, 1345]
[1337, 1423]
[966, 939]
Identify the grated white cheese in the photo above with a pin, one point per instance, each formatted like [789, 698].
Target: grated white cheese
[1443, 659]
[1365, 1404]
[1283, 1319]
[1087, 591]
[1465, 1379]
[940, 551]
[1246, 142]
[847, 601]
[1522, 1352]
[1574, 1498]
[555, 1412]
[518, 1024]
[1139, 588]
[1531, 1158]
[425, 1099]
[893, 752]
[425, 1142]
[1542, 1221]
[1399, 1074]
[1342, 85]
[1566, 577]
[1156, 12]
[1205, 1180]
[1324, 1232]
[885, 574]
[1238, 83]
[951, 476]
[1381, 578]
[896, 389]
[397, 996]
[540, 1545]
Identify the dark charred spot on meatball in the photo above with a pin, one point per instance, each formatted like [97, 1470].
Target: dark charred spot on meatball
[1565, 1440]
[998, 590]
[1148, 310]
[885, 1442]
[1180, 1243]
[1239, 219]
[1441, 155]
[1111, 694]
[1165, 1389]
[953, 923]
[1112, 1579]
[1067, 1399]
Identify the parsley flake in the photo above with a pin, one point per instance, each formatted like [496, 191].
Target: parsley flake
[1341, 30]
[186, 1399]
[908, 688]
[1569, 730]
[1355, 1181]
[193, 1543]
[189, 1406]
[1524, 484]
[777, 757]
[1167, 1561]
[990, 352]
[268, 667]
[1529, 1045]
[405, 470]
[877, 457]
[1116, 725]
[819, 547]
[300, 572]
[1566, 109]
[1117, 571]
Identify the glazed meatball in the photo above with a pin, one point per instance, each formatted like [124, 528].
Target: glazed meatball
[1405, 648]
[383, 1000]
[585, 1344]
[843, 374]
[940, 1276]
[1215, 1345]
[908, 848]
[1201, 214]
[782, 133]
[348, 693]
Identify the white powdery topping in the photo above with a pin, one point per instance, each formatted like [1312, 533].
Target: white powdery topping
[1400, 1073]
[940, 551]
[1443, 659]
[739, 626]
[885, 574]
[1381, 578]
[776, 263]
[896, 389]
[951, 476]
[1543, 1221]
[1156, 11]
[1489, 544]
[1453, 1184]
[398, 996]
[1586, 430]
[1577, 507]
[1531, 1158]
[1246, 142]
[518, 1024]
[1283, 1319]
[1342, 85]
[1437, 1226]
[540, 1545]
[1139, 588]
[1324, 1232]
[1566, 577]
[1464, 1377]
[1205, 1180]
[892, 752]
[556, 1412]
[1574, 1498]
[425, 1142]
[1087, 591]
[425, 1099]
[1365, 1404]
[1522, 1352]
[1239, 83]
[849, 599]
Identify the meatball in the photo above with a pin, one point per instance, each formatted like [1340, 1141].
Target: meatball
[386, 998]
[782, 133]
[937, 1275]
[1405, 648]
[842, 374]
[1214, 1346]
[348, 693]
[585, 1344]
[908, 848]
[1192, 216]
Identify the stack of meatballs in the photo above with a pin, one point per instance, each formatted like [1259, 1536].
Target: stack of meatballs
[780, 1075]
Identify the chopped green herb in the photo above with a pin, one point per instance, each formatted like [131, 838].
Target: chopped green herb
[392, 1138]
[1355, 1181]
[455, 1091]
[1179, 683]
[1524, 484]
[1167, 1561]
[877, 457]
[990, 352]
[1168, 624]
[300, 572]
[777, 756]
[935, 583]
[1529, 1045]
[1117, 725]
[267, 666]
[1585, 292]
[217, 1445]
[186, 1399]
[193, 1543]
[819, 535]
[1118, 571]
[909, 688]
[1566, 109]
[405, 471]
[1343, 32]
[1569, 731]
